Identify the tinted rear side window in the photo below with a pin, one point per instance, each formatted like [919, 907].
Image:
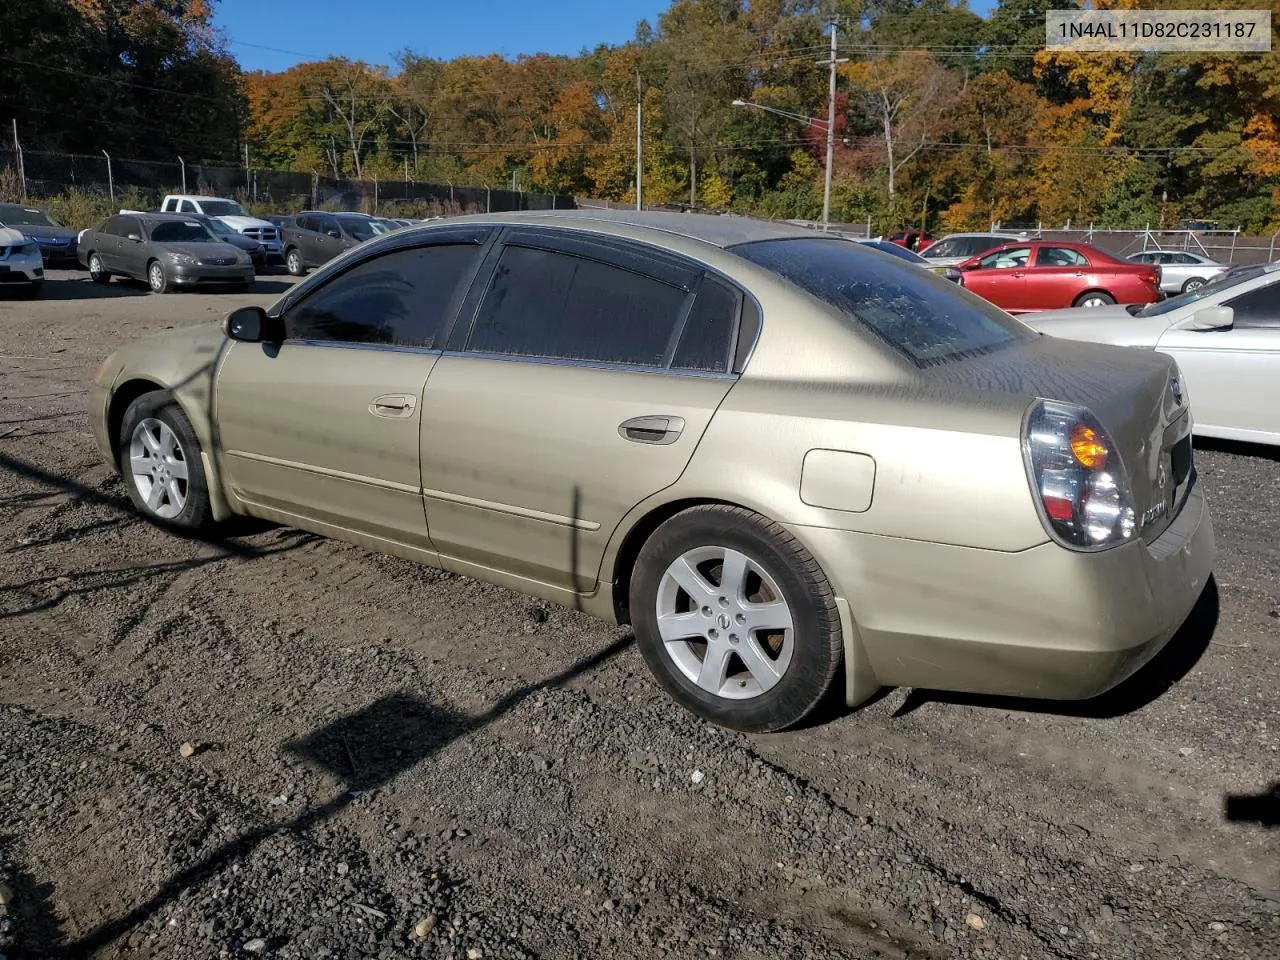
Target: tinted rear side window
[400, 298]
[708, 338]
[921, 316]
[553, 305]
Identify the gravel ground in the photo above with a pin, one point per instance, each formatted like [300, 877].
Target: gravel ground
[285, 746]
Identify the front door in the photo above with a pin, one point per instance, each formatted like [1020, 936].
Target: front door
[133, 252]
[325, 426]
[582, 389]
[326, 242]
[1001, 277]
[1233, 375]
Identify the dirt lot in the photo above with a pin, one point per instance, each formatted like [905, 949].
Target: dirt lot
[392, 761]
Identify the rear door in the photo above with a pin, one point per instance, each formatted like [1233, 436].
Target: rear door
[1001, 277]
[323, 429]
[582, 386]
[108, 241]
[1233, 376]
[1057, 278]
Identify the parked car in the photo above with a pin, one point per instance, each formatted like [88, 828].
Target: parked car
[779, 456]
[1225, 337]
[234, 216]
[317, 237]
[914, 240]
[57, 243]
[21, 266]
[165, 250]
[1180, 271]
[902, 253]
[956, 248]
[1035, 275]
[257, 253]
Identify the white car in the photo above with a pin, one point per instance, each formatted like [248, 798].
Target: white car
[902, 253]
[958, 247]
[234, 216]
[21, 265]
[1225, 337]
[1180, 272]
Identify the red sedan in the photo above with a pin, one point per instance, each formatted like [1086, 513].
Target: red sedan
[1023, 277]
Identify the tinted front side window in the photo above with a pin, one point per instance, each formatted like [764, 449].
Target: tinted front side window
[1006, 259]
[921, 316]
[1257, 308]
[400, 298]
[545, 304]
[114, 227]
[708, 333]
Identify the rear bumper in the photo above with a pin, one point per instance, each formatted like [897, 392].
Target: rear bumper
[1047, 622]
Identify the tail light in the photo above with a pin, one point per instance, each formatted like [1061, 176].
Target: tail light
[1152, 278]
[1080, 484]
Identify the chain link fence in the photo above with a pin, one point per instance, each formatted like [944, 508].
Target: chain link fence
[48, 174]
[1224, 246]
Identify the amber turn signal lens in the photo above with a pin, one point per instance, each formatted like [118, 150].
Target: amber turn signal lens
[1088, 447]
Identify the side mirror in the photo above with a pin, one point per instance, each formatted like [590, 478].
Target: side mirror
[135, 238]
[333, 233]
[1211, 318]
[248, 325]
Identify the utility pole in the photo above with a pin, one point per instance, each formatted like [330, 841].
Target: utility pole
[831, 127]
[639, 142]
[111, 183]
[184, 174]
[17, 148]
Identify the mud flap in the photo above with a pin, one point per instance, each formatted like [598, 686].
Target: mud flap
[860, 679]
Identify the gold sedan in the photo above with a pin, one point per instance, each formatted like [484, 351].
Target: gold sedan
[785, 459]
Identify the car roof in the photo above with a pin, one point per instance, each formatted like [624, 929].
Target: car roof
[984, 233]
[720, 231]
[162, 217]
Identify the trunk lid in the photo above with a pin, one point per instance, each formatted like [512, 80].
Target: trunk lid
[1136, 395]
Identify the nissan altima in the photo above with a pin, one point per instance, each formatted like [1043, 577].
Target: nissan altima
[785, 459]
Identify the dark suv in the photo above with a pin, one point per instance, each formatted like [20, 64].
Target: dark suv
[316, 237]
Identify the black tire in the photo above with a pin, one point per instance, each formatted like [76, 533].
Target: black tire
[196, 513]
[99, 275]
[1094, 298]
[817, 647]
[293, 263]
[1194, 283]
[157, 279]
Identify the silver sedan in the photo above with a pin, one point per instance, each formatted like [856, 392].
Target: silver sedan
[1180, 271]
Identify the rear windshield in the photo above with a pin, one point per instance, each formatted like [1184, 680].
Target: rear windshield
[902, 253]
[923, 317]
[180, 231]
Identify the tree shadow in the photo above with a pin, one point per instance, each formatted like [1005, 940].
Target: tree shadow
[1147, 685]
[363, 751]
[1261, 808]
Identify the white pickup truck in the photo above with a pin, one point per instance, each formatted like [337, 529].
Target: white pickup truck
[233, 215]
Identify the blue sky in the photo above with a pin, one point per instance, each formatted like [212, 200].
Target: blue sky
[375, 30]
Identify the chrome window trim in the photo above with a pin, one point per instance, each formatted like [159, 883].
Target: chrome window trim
[591, 364]
[345, 345]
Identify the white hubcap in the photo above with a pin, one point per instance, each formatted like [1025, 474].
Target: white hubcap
[724, 622]
[159, 467]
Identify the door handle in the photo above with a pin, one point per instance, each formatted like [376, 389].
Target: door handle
[392, 405]
[1018, 275]
[658, 430]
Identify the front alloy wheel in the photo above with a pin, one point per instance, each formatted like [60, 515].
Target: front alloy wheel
[293, 263]
[156, 279]
[159, 467]
[98, 273]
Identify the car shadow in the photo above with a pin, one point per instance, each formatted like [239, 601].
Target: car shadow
[273, 285]
[1238, 448]
[1152, 681]
[82, 288]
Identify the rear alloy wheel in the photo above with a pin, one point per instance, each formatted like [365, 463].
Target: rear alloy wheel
[97, 272]
[1095, 298]
[293, 263]
[1195, 283]
[735, 619]
[160, 461]
[156, 278]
